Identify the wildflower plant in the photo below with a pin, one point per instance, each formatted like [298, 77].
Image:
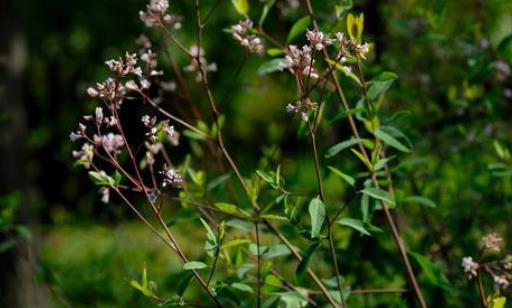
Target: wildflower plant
[498, 270]
[258, 221]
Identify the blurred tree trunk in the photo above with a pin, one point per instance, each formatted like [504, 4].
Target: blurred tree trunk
[18, 284]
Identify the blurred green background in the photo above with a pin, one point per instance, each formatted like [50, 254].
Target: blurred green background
[453, 61]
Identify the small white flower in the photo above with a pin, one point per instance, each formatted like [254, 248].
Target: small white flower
[501, 281]
[148, 121]
[105, 194]
[470, 267]
[111, 121]
[112, 142]
[74, 136]
[131, 85]
[92, 92]
[159, 6]
[99, 115]
[507, 262]
[145, 84]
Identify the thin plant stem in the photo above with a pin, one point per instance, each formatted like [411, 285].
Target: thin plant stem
[258, 265]
[481, 289]
[332, 249]
[214, 265]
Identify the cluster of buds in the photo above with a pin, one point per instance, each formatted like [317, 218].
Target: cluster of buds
[242, 33]
[149, 58]
[156, 130]
[156, 15]
[110, 89]
[500, 271]
[300, 61]
[171, 177]
[100, 119]
[106, 89]
[318, 40]
[492, 242]
[350, 47]
[198, 63]
[302, 107]
[85, 155]
[124, 66]
[111, 142]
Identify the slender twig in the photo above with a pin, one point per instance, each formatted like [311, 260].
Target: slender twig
[481, 289]
[258, 265]
[214, 265]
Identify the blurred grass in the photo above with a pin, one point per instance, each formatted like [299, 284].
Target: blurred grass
[91, 265]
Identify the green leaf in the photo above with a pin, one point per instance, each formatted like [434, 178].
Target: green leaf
[101, 178]
[209, 232]
[302, 268]
[117, 177]
[389, 135]
[355, 26]
[239, 224]
[242, 287]
[382, 162]
[253, 248]
[232, 209]
[365, 207]
[292, 300]
[381, 84]
[347, 178]
[498, 302]
[184, 283]
[345, 70]
[379, 194]
[345, 113]
[234, 243]
[343, 8]
[270, 66]
[317, 214]
[335, 149]
[218, 181]
[144, 285]
[354, 224]
[432, 272]
[298, 28]
[274, 52]
[194, 135]
[362, 158]
[420, 200]
[194, 265]
[265, 176]
[274, 217]
[241, 6]
[277, 250]
[264, 13]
